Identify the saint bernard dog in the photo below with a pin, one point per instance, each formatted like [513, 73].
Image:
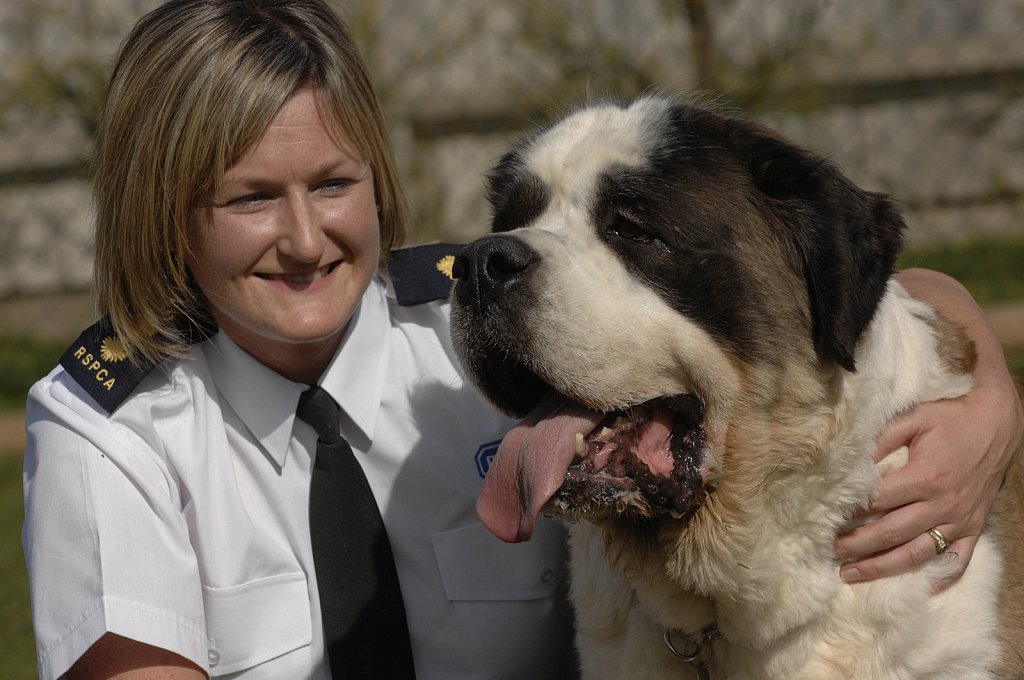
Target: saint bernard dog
[696, 321]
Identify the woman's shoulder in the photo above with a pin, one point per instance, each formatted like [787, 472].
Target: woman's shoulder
[98, 364]
[417, 284]
[95, 386]
[182, 377]
[422, 274]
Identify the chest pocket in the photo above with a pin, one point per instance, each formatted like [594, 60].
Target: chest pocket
[510, 615]
[255, 622]
[476, 566]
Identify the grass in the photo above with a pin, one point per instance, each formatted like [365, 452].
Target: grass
[992, 269]
[17, 648]
[24, 360]
[1015, 360]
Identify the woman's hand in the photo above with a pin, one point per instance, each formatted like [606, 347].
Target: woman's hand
[959, 450]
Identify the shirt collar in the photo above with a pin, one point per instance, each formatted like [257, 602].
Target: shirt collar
[263, 399]
[355, 377]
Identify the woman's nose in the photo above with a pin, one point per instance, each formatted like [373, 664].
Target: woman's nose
[302, 237]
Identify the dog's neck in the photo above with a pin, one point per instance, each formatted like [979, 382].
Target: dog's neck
[884, 385]
[777, 572]
[757, 559]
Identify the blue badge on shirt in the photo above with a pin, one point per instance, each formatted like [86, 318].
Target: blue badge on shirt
[484, 455]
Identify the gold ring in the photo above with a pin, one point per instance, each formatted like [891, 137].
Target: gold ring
[941, 542]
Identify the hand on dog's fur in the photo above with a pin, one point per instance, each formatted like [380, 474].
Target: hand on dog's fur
[959, 453]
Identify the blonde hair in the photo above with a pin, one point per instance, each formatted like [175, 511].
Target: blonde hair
[195, 84]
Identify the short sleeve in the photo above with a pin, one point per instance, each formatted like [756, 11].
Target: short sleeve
[105, 540]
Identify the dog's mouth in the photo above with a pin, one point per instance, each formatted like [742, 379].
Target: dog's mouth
[642, 461]
[566, 460]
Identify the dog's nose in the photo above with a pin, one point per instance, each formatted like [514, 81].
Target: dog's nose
[488, 267]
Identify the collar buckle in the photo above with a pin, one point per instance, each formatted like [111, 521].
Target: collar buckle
[697, 650]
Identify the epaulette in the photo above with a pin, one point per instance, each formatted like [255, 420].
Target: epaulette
[98, 362]
[423, 273]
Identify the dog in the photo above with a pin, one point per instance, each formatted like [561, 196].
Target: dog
[696, 320]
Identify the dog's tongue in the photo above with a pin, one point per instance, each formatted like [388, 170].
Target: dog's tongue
[530, 466]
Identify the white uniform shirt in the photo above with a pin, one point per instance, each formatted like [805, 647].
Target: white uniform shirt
[181, 520]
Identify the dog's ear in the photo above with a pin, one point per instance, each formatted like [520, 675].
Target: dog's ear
[847, 238]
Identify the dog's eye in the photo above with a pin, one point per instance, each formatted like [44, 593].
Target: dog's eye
[623, 227]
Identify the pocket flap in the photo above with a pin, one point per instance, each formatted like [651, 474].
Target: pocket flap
[476, 565]
[256, 621]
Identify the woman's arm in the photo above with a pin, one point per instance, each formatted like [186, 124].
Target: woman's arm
[959, 452]
[113, 656]
[105, 543]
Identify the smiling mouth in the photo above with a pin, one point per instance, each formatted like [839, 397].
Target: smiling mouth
[309, 277]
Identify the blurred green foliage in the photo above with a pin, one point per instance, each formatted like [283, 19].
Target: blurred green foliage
[992, 269]
[17, 648]
[23, 361]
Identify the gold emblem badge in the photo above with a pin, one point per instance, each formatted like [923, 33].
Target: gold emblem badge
[445, 264]
[111, 349]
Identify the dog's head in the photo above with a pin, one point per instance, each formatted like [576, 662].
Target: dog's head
[651, 267]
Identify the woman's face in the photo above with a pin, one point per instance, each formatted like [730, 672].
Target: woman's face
[286, 247]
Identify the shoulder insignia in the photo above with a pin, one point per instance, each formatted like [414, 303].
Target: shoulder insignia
[423, 273]
[99, 363]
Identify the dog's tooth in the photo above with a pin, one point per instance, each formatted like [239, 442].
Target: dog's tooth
[579, 444]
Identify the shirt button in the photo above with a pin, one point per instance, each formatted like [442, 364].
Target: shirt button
[547, 576]
[214, 657]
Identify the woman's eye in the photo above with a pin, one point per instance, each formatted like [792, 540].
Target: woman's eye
[334, 185]
[248, 200]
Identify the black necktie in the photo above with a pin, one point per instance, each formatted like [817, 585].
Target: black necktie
[365, 632]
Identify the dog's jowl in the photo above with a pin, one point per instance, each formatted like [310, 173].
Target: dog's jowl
[695, 319]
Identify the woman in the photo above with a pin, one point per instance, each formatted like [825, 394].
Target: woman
[243, 171]
[244, 178]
